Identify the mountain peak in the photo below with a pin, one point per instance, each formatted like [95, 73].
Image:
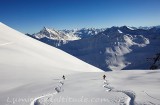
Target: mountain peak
[53, 34]
[44, 28]
[113, 31]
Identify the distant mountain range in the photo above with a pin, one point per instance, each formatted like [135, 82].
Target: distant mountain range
[114, 48]
[59, 37]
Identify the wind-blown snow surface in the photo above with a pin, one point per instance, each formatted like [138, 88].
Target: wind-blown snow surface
[28, 68]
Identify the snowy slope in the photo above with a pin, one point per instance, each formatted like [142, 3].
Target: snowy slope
[27, 65]
[120, 88]
[30, 74]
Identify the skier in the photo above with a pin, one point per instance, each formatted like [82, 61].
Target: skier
[104, 77]
[63, 77]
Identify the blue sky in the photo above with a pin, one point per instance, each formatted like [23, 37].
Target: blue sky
[29, 16]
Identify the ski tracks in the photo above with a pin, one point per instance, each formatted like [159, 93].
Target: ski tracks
[129, 100]
[36, 100]
[58, 89]
[151, 96]
[130, 94]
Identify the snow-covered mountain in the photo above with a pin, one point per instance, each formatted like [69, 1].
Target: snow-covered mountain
[84, 32]
[27, 65]
[115, 38]
[31, 74]
[54, 37]
[59, 37]
[117, 48]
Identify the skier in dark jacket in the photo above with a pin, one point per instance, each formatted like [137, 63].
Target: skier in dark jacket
[63, 77]
[104, 77]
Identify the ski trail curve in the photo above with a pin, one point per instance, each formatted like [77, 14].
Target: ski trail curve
[35, 101]
[130, 94]
[57, 89]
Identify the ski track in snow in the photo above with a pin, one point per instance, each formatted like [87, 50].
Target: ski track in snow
[58, 89]
[3, 44]
[127, 101]
[131, 95]
[151, 96]
[36, 102]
